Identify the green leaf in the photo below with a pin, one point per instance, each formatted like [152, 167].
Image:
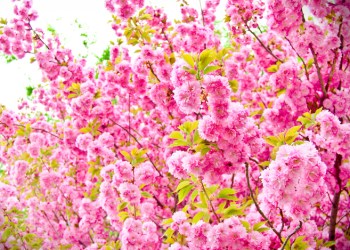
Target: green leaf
[189, 59]
[203, 199]
[264, 163]
[258, 225]
[65, 247]
[196, 137]
[221, 207]
[29, 238]
[227, 193]
[210, 190]
[167, 221]
[300, 244]
[209, 69]
[198, 217]
[205, 58]
[182, 194]
[179, 143]
[246, 225]
[233, 211]
[272, 68]
[202, 148]
[122, 205]
[329, 243]
[169, 232]
[85, 130]
[126, 155]
[194, 195]
[29, 90]
[182, 185]
[146, 17]
[272, 140]
[191, 71]
[188, 126]
[146, 194]
[263, 229]
[292, 134]
[6, 234]
[123, 215]
[176, 135]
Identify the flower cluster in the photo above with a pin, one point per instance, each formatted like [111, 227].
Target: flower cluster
[294, 181]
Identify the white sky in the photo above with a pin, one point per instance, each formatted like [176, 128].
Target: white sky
[62, 16]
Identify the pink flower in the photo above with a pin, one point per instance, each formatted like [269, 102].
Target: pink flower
[145, 173]
[83, 140]
[130, 193]
[208, 129]
[123, 172]
[187, 97]
[175, 164]
[34, 150]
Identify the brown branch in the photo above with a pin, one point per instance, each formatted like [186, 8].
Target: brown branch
[341, 46]
[302, 60]
[37, 36]
[282, 220]
[261, 43]
[294, 232]
[211, 204]
[257, 205]
[232, 180]
[166, 38]
[137, 141]
[318, 69]
[200, 6]
[158, 201]
[149, 65]
[336, 199]
[37, 129]
[331, 73]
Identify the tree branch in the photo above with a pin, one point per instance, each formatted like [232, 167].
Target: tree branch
[149, 65]
[211, 204]
[258, 207]
[302, 60]
[137, 141]
[36, 129]
[336, 199]
[318, 69]
[289, 236]
[261, 43]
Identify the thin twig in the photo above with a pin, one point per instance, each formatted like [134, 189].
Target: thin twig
[137, 141]
[232, 180]
[331, 73]
[166, 38]
[129, 116]
[200, 6]
[302, 60]
[282, 220]
[261, 43]
[294, 232]
[37, 129]
[318, 69]
[258, 207]
[336, 199]
[37, 36]
[211, 204]
[158, 201]
[151, 69]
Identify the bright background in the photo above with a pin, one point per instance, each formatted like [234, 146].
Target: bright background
[71, 19]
